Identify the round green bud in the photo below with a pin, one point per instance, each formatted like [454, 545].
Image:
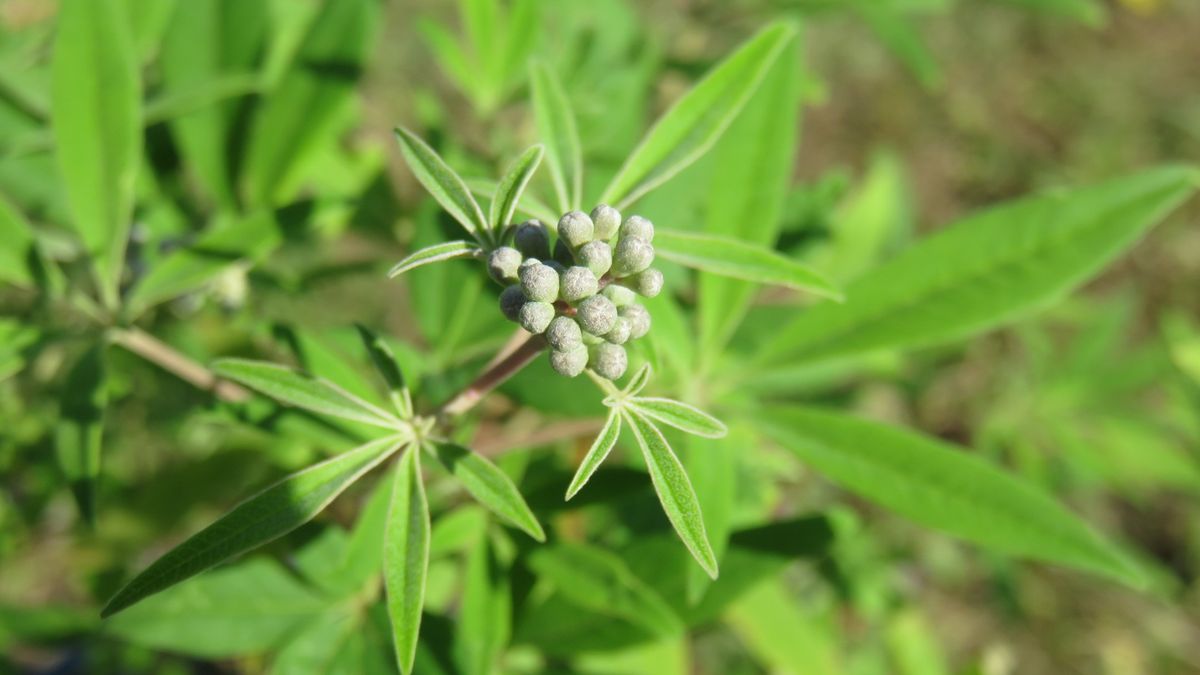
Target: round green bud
[569, 362]
[538, 281]
[597, 315]
[532, 239]
[639, 320]
[576, 228]
[511, 299]
[648, 282]
[558, 267]
[608, 360]
[632, 255]
[596, 256]
[577, 283]
[637, 226]
[620, 295]
[607, 220]
[535, 316]
[502, 264]
[563, 333]
[619, 334]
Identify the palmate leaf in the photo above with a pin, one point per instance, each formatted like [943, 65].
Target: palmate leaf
[264, 517]
[597, 453]
[450, 250]
[986, 270]
[512, 186]
[290, 386]
[944, 487]
[733, 258]
[490, 486]
[680, 415]
[406, 556]
[674, 490]
[686, 131]
[97, 125]
[443, 183]
[556, 127]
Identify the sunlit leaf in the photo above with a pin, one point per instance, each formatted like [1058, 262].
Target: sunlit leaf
[489, 486]
[290, 386]
[406, 557]
[674, 490]
[599, 451]
[697, 120]
[732, 258]
[450, 250]
[442, 182]
[557, 130]
[512, 186]
[680, 415]
[267, 515]
[944, 487]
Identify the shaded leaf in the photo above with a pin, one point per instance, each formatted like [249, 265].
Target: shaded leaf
[485, 612]
[385, 364]
[80, 428]
[267, 515]
[557, 130]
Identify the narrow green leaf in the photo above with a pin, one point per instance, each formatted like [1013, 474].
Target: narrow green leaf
[18, 256]
[595, 579]
[187, 101]
[732, 258]
[944, 487]
[230, 241]
[674, 490]
[442, 182]
[307, 107]
[290, 386]
[686, 131]
[639, 381]
[712, 466]
[490, 486]
[599, 451]
[264, 517]
[80, 428]
[485, 611]
[96, 114]
[680, 415]
[512, 186]
[406, 557]
[242, 609]
[557, 130]
[450, 250]
[385, 364]
[986, 270]
[529, 204]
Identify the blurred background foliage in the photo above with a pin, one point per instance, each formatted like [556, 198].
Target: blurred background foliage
[270, 201]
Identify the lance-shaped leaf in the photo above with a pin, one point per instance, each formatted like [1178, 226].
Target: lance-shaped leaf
[680, 415]
[556, 127]
[293, 387]
[733, 258]
[406, 557]
[485, 609]
[600, 581]
[639, 381]
[512, 186]
[986, 270]
[529, 205]
[97, 129]
[674, 490]
[489, 485]
[450, 250]
[442, 182]
[385, 364]
[944, 487]
[264, 517]
[599, 451]
[80, 428]
[686, 131]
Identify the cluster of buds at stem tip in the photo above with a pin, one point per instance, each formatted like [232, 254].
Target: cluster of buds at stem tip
[581, 291]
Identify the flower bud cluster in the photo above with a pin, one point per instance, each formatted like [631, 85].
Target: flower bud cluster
[581, 292]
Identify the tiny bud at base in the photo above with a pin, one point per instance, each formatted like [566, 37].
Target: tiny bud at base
[511, 300]
[503, 264]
